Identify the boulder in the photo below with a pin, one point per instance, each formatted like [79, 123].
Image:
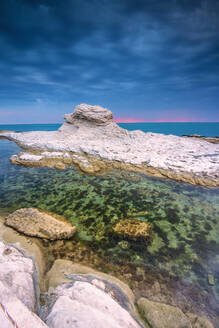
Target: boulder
[17, 273]
[13, 312]
[95, 114]
[63, 270]
[32, 247]
[86, 302]
[133, 229]
[198, 322]
[159, 315]
[34, 222]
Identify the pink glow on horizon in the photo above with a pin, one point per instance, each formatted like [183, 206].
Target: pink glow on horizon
[128, 120]
[161, 120]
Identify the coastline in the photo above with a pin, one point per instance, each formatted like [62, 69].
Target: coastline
[93, 165]
[91, 141]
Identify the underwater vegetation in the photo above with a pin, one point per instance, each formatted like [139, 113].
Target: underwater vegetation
[184, 218]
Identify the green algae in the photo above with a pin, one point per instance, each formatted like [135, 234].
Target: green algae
[185, 218]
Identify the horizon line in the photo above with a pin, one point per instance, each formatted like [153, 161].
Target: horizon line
[126, 122]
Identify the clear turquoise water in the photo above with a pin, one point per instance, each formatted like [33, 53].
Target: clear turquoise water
[205, 129]
[185, 218]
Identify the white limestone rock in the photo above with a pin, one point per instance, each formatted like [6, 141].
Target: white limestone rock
[95, 114]
[90, 131]
[14, 312]
[83, 304]
[32, 247]
[17, 273]
[63, 270]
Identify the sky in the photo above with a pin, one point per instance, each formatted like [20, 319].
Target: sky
[146, 60]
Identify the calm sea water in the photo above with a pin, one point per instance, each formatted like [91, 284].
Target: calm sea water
[205, 129]
[185, 218]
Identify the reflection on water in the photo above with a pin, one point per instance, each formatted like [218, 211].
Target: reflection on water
[185, 218]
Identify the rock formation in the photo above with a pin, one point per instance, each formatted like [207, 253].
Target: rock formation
[93, 114]
[18, 290]
[87, 301]
[160, 315]
[133, 229]
[214, 140]
[91, 140]
[32, 247]
[17, 273]
[33, 222]
[63, 270]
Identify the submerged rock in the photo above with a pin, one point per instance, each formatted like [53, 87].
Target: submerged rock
[210, 279]
[160, 315]
[34, 222]
[198, 322]
[124, 244]
[133, 229]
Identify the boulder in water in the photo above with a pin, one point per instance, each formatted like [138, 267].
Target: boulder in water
[34, 222]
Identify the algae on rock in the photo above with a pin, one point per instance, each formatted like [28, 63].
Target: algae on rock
[133, 229]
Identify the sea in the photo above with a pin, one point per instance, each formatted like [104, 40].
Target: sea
[178, 265]
[208, 129]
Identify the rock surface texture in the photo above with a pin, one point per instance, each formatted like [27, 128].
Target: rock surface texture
[214, 140]
[33, 222]
[17, 273]
[18, 290]
[63, 270]
[13, 312]
[133, 229]
[32, 247]
[160, 315]
[87, 302]
[91, 140]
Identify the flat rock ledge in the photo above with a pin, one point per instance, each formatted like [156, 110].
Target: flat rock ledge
[91, 141]
[37, 223]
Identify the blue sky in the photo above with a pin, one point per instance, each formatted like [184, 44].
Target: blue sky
[146, 60]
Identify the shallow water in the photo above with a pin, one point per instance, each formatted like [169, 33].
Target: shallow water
[185, 218]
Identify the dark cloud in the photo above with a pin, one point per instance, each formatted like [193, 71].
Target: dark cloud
[143, 55]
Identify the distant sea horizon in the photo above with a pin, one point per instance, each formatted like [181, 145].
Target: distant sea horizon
[208, 129]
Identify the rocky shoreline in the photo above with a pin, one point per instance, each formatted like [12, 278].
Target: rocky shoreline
[41, 291]
[214, 140]
[91, 141]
